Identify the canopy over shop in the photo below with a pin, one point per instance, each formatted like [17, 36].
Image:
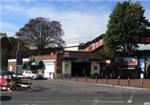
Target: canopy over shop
[37, 66]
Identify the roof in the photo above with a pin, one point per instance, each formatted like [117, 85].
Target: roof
[93, 41]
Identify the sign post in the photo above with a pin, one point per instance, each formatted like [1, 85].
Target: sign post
[18, 62]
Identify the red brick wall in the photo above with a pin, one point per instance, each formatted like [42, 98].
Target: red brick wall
[44, 57]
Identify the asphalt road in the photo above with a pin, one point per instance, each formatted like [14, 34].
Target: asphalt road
[55, 92]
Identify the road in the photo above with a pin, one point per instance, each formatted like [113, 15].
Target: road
[57, 92]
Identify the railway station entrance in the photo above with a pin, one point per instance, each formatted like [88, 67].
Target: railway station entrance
[80, 69]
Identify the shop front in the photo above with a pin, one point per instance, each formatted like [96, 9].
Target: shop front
[72, 63]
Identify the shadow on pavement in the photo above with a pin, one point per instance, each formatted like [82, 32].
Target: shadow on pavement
[5, 98]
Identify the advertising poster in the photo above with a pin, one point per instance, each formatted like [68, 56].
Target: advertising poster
[142, 66]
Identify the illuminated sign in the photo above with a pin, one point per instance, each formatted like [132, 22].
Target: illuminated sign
[108, 61]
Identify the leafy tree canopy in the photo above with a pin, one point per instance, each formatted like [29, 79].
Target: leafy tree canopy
[41, 33]
[3, 34]
[127, 22]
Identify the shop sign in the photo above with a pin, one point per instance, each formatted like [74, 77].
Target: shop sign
[127, 61]
[108, 61]
[66, 54]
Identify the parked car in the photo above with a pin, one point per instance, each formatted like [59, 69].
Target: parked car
[7, 74]
[31, 74]
[4, 86]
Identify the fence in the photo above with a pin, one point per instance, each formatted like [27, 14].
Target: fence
[140, 83]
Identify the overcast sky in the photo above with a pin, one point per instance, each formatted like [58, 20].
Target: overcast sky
[81, 20]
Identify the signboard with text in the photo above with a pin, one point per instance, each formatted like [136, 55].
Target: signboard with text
[130, 61]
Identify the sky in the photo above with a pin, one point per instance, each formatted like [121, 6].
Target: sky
[81, 20]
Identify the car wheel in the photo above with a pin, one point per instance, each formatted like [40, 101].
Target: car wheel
[33, 77]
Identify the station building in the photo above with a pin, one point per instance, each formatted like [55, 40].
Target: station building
[86, 60]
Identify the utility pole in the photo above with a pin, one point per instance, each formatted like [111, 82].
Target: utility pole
[18, 59]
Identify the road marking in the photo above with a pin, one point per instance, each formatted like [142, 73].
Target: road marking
[94, 102]
[102, 101]
[27, 104]
[130, 100]
[20, 101]
[146, 103]
[83, 101]
[24, 104]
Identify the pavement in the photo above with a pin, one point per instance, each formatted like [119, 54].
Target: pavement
[62, 92]
[123, 83]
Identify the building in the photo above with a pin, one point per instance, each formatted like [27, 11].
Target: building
[85, 60]
[5, 47]
[128, 69]
[72, 63]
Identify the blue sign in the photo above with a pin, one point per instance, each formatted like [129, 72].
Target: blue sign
[142, 64]
[18, 58]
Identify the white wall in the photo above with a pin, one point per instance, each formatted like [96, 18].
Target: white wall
[72, 47]
[49, 68]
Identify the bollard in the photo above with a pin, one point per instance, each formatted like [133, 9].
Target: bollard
[62, 77]
[142, 82]
[118, 80]
[54, 76]
[76, 77]
[69, 78]
[96, 79]
[85, 78]
[29, 82]
[106, 80]
[128, 81]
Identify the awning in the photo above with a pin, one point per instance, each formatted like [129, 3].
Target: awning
[36, 63]
[25, 65]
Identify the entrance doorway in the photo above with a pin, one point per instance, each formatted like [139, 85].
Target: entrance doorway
[148, 72]
[80, 69]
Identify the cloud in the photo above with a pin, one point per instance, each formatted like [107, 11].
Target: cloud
[147, 14]
[83, 27]
[77, 25]
[8, 28]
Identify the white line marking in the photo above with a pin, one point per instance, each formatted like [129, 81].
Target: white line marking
[94, 102]
[20, 101]
[146, 103]
[24, 104]
[83, 101]
[102, 101]
[53, 101]
[130, 100]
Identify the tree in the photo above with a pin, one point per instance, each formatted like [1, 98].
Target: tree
[127, 22]
[41, 33]
[17, 43]
[3, 34]
[4, 50]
